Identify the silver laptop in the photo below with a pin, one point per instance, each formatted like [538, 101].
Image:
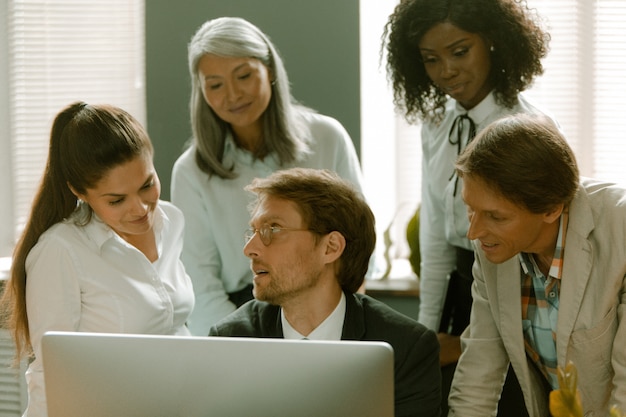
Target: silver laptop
[96, 374]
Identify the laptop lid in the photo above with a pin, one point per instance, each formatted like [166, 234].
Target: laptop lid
[100, 374]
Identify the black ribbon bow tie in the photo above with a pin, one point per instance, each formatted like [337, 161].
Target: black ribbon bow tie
[459, 125]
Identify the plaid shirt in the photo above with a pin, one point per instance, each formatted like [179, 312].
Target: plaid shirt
[540, 307]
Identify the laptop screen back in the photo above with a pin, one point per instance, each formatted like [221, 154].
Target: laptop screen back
[120, 375]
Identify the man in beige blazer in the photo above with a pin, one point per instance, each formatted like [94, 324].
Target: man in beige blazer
[549, 276]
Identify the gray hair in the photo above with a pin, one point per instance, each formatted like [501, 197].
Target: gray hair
[284, 131]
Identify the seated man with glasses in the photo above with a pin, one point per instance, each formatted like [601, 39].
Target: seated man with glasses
[311, 238]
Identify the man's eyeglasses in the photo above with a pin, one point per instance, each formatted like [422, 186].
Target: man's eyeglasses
[266, 232]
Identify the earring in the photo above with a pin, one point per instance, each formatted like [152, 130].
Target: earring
[492, 48]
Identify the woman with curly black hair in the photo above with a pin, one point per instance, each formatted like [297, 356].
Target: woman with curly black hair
[456, 66]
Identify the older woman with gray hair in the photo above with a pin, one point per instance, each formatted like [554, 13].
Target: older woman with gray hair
[245, 124]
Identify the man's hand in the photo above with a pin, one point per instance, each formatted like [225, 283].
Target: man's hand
[450, 348]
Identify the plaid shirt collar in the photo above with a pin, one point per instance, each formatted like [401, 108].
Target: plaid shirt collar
[556, 269]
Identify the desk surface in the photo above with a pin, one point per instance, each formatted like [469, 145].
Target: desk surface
[398, 287]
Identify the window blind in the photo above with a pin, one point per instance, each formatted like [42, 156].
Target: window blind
[13, 396]
[583, 85]
[609, 114]
[60, 52]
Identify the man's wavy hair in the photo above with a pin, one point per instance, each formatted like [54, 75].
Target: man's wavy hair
[327, 203]
[526, 160]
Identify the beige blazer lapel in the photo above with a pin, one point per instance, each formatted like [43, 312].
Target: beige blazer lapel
[509, 296]
[575, 276]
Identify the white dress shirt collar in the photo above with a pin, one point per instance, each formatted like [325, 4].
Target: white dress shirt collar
[330, 329]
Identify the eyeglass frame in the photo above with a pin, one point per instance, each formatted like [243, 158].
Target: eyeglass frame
[266, 232]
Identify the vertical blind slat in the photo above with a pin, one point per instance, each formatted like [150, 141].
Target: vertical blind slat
[60, 52]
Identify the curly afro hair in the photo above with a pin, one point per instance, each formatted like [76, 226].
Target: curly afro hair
[514, 30]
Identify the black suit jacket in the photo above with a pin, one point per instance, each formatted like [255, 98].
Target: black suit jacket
[417, 372]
